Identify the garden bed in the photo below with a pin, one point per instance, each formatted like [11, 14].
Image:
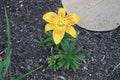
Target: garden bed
[101, 49]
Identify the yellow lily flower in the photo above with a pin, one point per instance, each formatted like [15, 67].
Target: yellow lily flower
[60, 23]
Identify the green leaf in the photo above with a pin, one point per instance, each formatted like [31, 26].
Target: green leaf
[81, 57]
[64, 45]
[73, 67]
[68, 65]
[78, 50]
[76, 64]
[72, 46]
[4, 65]
[7, 61]
[61, 63]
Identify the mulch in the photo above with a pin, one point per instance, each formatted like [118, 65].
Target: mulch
[101, 49]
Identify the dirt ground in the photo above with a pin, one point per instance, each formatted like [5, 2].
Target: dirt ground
[101, 49]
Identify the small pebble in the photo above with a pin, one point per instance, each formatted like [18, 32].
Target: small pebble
[85, 68]
[21, 5]
[28, 67]
[40, 60]
[43, 70]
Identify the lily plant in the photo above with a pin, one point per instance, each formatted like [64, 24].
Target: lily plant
[62, 38]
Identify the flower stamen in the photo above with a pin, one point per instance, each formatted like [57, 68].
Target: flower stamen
[61, 23]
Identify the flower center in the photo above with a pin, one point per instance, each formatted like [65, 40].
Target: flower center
[61, 23]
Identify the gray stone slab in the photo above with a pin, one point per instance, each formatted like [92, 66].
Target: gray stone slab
[96, 15]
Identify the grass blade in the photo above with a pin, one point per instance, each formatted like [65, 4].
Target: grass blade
[23, 76]
[5, 64]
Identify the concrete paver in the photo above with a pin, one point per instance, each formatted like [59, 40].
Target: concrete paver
[96, 15]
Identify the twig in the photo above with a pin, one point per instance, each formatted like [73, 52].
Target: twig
[116, 67]
[3, 51]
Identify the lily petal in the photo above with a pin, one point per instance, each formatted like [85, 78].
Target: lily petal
[58, 35]
[70, 30]
[61, 12]
[50, 17]
[72, 18]
[49, 27]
